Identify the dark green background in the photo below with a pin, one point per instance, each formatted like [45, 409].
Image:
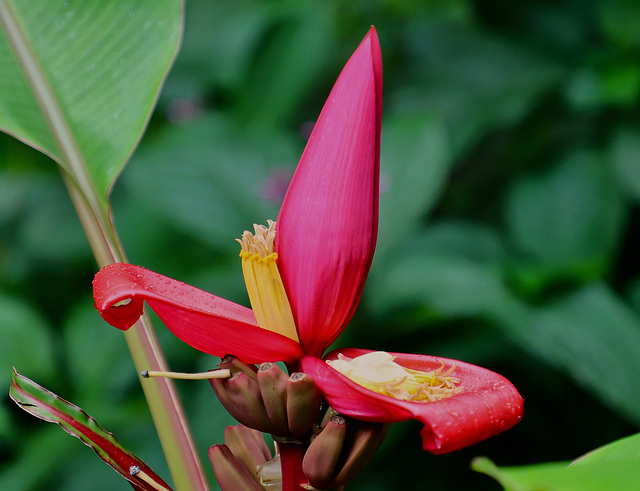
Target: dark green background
[508, 233]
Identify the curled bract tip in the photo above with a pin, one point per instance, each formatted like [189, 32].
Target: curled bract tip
[206, 322]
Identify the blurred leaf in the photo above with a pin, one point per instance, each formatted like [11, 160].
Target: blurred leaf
[38, 225]
[289, 60]
[589, 334]
[219, 41]
[415, 165]
[261, 57]
[47, 406]
[626, 156]
[616, 84]
[26, 341]
[97, 68]
[595, 338]
[620, 20]
[472, 78]
[39, 458]
[614, 466]
[90, 342]
[208, 181]
[450, 269]
[49, 229]
[568, 219]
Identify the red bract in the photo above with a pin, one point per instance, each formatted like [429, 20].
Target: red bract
[328, 223]
[208, 323]
[487, 405]
[324, 243]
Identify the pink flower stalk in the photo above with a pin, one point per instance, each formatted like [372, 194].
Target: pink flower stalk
[324, 243]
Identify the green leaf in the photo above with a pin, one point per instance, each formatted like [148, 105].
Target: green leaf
[89, 343]
[451, 269]
[41, 455]
[619, 20]
[79, 79]
[626, 155]
[614, 466]
[47, 406]
[26, 340]
[567, 220]
[43, 211]
[624, 449]
[594, 337]
[289, 60]
[415, 166]
[209, 181]
[472, 78]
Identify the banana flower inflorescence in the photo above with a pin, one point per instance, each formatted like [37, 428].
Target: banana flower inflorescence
[305, 274]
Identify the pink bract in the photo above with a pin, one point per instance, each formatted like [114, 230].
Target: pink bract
[327, 226]
[208, 323]
[487, 405]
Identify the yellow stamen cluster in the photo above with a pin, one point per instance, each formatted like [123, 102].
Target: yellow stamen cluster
[378, 372]
[266, 292]
[262, 242]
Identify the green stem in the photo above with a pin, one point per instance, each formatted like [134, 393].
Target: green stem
[162, 397]
[93, 211]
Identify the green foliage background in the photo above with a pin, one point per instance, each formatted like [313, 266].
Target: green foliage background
[508, 233]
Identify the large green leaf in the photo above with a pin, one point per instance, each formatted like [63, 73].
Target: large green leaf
[614, 466]
[80, 78]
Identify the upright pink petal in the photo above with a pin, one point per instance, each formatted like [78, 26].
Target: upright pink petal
[327, 227]
[208, 323]
[488, 405]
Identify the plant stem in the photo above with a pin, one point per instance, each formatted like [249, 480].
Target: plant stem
[166, 410]
[291, 463]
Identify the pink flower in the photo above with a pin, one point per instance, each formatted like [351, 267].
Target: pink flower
[305, 276]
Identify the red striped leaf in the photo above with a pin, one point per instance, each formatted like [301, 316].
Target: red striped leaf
[47, 406]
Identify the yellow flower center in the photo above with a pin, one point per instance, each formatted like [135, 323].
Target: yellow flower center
[266, 292]
[378, 372]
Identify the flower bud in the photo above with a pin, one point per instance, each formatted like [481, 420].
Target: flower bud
[273, 389]
[303, 404]
[358, 448]
[230, 473]
[328, 415]
[248, 446]
[320, 460]
[240, 396]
